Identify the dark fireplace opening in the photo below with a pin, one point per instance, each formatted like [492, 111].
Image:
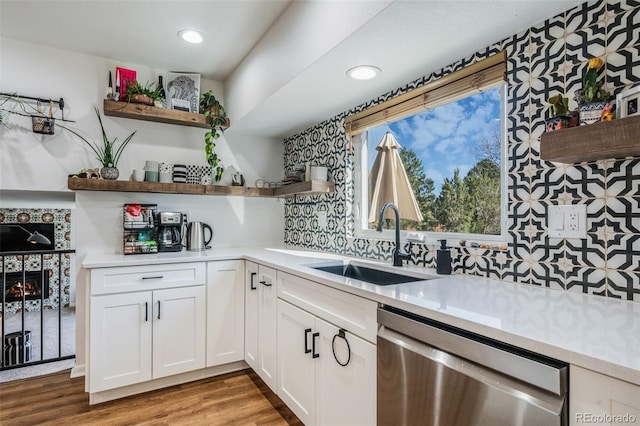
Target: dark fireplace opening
[32, 286]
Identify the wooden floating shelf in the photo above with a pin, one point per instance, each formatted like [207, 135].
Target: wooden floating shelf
[608, 139]
[302, 188]
[158, 115]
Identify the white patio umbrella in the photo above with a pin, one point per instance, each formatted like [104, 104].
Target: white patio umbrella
[389, 183]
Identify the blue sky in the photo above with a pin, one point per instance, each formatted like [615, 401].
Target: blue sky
[445, 137]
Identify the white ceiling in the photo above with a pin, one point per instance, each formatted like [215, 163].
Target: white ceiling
[406, 39]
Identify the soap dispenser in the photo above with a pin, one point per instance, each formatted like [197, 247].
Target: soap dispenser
[443, 259]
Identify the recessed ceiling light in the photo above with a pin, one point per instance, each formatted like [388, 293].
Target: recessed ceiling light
[191, 36]
[363, 72]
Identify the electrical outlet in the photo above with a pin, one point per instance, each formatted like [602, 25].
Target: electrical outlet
[567, 221]
[322, 218]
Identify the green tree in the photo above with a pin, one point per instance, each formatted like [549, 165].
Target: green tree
[483, 186]
[423, 188]
[452, 208]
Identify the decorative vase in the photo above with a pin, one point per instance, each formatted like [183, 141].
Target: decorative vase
[109, 173]
[556, 123]
[591, 112]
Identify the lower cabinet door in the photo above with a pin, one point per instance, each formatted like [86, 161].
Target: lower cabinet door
[251, 290]
[267, 315]
[120, 343]
[296, 366]
[225, 312]
[346, 395]
[179, 321]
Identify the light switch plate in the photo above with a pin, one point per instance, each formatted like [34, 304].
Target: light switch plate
[567, 221]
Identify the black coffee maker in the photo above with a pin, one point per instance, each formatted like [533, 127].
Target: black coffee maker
[170, 231]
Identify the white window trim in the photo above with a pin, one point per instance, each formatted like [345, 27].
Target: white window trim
[360, 217]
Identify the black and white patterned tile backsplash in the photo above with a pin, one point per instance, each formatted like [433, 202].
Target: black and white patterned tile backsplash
[542, 61]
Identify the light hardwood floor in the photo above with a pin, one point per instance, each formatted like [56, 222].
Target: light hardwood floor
[239, 398]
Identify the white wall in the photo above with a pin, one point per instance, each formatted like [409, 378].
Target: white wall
[31, 162]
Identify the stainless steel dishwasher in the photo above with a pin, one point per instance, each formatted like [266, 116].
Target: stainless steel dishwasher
[432, 374]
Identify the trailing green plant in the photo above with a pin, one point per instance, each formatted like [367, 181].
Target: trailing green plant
[215, 113]
[109, 153]
[559, 105]
[135, 88]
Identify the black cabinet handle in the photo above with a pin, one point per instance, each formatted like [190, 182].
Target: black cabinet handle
[146, 311]
[313, 345]
[253, 287]
[158, 309]
[157, 277]
[342, 333]
[306, 340]
[264, 283]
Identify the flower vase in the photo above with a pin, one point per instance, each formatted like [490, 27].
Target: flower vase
[556, 123]
[591, 112]
[109, 173]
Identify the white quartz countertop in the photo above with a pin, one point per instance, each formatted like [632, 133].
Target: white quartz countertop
[594, 332]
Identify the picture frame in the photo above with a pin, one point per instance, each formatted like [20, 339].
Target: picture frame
[628, 102]
[181, 104]
[185, 87]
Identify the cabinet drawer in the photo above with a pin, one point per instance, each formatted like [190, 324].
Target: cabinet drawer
[353, 313]
[147, 277]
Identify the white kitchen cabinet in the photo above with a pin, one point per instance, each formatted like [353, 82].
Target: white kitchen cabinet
[139, 336]
[121, 343]
[311, 380]
[225, 312]
[251, 314]
[260, 322]
[297, 369]
[598, 399]
[179, 323]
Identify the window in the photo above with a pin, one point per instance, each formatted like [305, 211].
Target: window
[452, 152]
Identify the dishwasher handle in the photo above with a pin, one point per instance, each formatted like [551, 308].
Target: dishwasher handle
[515, 388]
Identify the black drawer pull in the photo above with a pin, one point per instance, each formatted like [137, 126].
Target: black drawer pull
[313, 345]
[157, 277]
[264, 283]
[253, 287]
[306, 340]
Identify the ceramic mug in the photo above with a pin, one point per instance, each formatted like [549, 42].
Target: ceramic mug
[166, 177]
[138, 175]
[151, 166]
[151, 176]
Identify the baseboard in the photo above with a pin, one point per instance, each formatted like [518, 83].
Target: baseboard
[78, 370]
[111, 394]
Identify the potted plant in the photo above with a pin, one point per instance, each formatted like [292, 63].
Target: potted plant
[139, 94]
[216, 117]
[560, 119]
[592, 98]
[109, 153]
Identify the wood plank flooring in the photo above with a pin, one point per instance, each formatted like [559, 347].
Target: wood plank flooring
[239, 398]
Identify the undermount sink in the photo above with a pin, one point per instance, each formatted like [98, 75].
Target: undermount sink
[367, 274]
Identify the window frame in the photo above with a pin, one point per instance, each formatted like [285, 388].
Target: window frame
[360, 180]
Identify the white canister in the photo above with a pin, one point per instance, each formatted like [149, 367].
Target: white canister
[319, 173]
